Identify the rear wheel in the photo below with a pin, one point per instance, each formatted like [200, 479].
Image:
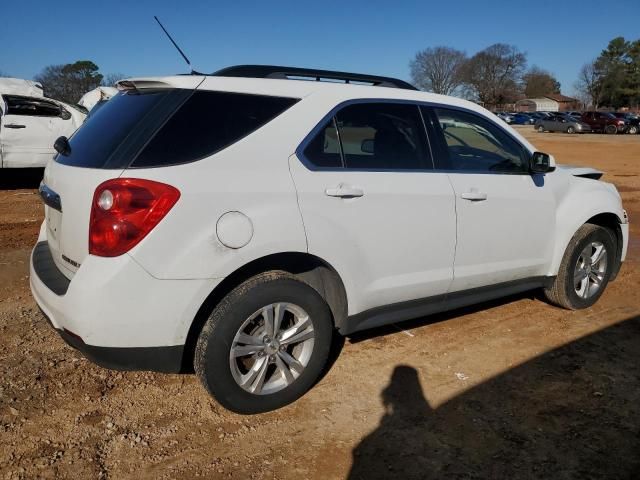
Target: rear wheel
[610, 129]
[265, 344]
[633, 129]
[585, 269]
[540, 129]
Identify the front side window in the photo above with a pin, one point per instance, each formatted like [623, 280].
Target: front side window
[475, 144]
[383, 136]
[29, 106]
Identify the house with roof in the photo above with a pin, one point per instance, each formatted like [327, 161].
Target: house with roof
[551, 102]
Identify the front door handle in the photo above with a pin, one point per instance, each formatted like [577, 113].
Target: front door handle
[13, 125]
[344, 191]
[474, 196]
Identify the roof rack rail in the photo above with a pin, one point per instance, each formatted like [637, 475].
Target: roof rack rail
[295, 73]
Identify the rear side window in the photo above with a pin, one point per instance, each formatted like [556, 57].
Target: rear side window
[383, 136]
[372, 136]
[207, 123]
[324, 149]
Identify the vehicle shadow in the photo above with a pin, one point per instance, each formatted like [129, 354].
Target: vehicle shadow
[20, 178]
[573, 412]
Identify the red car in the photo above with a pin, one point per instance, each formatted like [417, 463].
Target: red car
[604, 122]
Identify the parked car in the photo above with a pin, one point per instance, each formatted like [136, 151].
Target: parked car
[604, 122]
[632, 121]
[562, 123]
[522, 119]
[252, 216]
[505, 117]
[30, 123]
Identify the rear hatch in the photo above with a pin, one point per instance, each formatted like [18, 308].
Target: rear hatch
[100, 150]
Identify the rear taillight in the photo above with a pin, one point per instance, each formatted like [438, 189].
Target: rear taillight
[124, 211]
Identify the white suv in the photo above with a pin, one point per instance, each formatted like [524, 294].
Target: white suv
[232, 222]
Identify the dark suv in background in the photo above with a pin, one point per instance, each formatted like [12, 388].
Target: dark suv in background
[633, 121]
[604, 122]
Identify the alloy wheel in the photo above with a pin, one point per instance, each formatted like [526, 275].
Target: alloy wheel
[272, 348]
[590, 270]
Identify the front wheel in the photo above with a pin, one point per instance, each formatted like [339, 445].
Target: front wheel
[265, 344]
[571, 130]
[585, 269]
[633, 129]
[540, 129]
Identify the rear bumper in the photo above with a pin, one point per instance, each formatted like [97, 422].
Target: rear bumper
[156, 359]
[115, 313]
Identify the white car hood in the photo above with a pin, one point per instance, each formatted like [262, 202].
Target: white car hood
[18, 86]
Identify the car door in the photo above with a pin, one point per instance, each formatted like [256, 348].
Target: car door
[28, 129]
[505, 215]
[373, 207]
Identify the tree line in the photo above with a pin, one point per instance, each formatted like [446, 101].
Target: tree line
[69, 82]
[499, 75]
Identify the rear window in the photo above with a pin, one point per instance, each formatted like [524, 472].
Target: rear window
[154, 128]
[207, 123]
[99, 142]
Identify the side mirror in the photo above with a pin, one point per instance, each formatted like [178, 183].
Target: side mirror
[541, 163]
[64, 114]
[62, 146]
[367, 146]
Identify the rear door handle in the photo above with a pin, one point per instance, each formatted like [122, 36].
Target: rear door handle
[13, 125]
[474, 196]
[344, 191]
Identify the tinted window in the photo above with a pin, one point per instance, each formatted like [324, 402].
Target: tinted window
[207, 123]
[383, 136]
[476, 144]
[35, 107]
[97, 144]
[324, 149]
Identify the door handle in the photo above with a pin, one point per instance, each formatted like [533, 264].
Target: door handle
[474, 196]
[13, 125]
[344, 191]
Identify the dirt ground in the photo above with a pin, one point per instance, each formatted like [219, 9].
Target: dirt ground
[509, 389]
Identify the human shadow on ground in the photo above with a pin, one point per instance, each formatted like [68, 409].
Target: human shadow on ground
[571, 413]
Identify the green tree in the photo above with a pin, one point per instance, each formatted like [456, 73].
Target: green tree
[619, 66]
[69, 82]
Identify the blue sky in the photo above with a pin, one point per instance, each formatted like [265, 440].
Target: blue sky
[377, 37]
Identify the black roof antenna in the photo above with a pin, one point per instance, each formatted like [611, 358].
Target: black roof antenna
[193, 72]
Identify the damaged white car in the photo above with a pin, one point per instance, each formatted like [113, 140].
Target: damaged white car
[30, 123]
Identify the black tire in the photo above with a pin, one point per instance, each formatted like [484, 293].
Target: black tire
[540, 129]
[212, 364]
[571, 129]
[611, 129]
[562, 292]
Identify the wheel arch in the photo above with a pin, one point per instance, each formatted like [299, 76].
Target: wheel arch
[606, 219]
[310, 269]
